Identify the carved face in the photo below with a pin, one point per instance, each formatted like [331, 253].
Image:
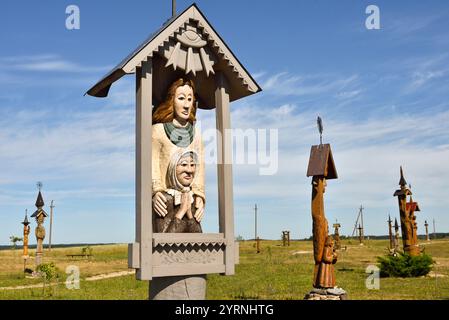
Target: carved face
[183, 103]
[185, 171]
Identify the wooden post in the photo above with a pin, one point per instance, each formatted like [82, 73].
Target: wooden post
[224, 169]
[257, 245]
[144, 225]
[396, 235]
[255, 221]
[390, 232]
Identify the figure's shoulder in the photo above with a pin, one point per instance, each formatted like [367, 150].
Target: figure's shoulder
[158, 130]
[158, 126]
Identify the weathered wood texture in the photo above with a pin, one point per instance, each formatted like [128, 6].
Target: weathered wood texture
[144, 230]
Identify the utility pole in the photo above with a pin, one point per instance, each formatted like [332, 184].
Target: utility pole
[361, 219]
[255, 222]
[434, 233]
[51, 224]
[256, 238]
[359, 216]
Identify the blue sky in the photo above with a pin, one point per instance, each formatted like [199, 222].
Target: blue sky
[383, 95]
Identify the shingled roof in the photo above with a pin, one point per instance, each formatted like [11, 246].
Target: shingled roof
[189, 45]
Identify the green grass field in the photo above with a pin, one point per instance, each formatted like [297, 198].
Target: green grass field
[276, 273]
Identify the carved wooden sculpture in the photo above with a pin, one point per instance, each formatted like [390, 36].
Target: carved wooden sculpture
[390, 233]
[396, 235]
[427, 230]
[40, 216]
[321, 168]
[337, 226]
[26, 232]
[408, 224]
[186, 46]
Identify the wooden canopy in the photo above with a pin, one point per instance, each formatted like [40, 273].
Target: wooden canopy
[321, 162]
[185, 46]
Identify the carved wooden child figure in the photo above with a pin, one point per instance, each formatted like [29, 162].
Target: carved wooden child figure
[179, 195]
[325, 272]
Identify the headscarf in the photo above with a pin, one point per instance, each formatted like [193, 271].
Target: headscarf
[174, 187]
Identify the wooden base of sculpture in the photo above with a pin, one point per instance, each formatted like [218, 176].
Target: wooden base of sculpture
[327, 294]
[178, 288]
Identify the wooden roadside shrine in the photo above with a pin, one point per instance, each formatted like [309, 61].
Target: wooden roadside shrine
[186, 46]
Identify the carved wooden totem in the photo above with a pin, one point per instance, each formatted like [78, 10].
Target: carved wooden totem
[26, 232]
[40, 216]
[321, 168]
[408, 219]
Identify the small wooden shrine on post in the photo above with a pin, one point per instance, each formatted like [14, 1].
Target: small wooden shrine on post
[286, 238]
[337, 227]
[186, 46]
[408, 218]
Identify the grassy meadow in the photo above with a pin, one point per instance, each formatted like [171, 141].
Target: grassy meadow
[276, 273]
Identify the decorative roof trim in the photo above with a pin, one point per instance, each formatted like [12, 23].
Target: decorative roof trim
[152, 44]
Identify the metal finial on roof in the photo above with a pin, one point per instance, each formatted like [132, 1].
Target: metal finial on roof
[173, 8]
[396, 226]
[39, 185]
[320, 128]
[402, 181]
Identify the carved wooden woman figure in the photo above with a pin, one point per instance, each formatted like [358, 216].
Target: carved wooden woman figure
[173, 129]
[180, 207]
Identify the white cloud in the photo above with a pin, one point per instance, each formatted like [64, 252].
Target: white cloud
[47, 63]
[293, 85]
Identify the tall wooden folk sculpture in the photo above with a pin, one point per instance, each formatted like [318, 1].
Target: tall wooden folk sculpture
[186, 47]
[408, 218]
[390, 234]
[26, 232]
[322, 168]
[396, 235]
[40, 216]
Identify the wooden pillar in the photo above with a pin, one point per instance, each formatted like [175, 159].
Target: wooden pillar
[257, 245]
[390, 233]
[144, 228]
[224, 169]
